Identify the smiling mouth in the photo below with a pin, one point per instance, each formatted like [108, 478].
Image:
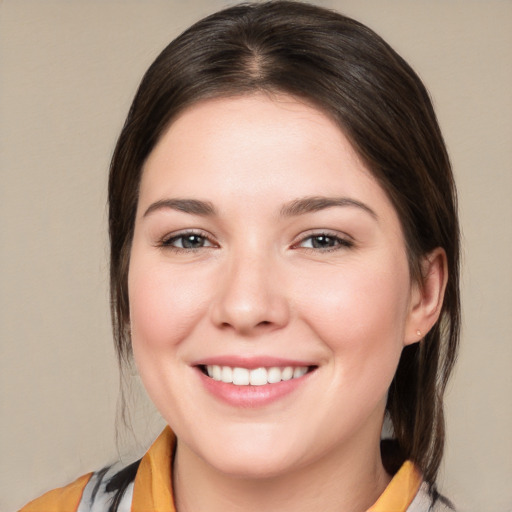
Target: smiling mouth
[254, 377]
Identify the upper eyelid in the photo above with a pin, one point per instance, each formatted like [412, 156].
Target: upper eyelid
[178, 234]
[343, 244]
[297, 240]
[325, 232]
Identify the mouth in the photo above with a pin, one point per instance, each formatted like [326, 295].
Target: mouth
[240, 376]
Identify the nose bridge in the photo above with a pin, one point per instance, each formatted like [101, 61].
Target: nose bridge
[250, 296]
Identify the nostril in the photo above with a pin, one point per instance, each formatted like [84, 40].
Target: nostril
[245, 313]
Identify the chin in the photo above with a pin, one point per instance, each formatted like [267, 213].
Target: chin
[255, 468]
[252, 455]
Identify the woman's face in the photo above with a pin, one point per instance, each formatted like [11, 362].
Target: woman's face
[264, 250]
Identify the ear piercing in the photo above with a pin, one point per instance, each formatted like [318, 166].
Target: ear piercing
[418, 333]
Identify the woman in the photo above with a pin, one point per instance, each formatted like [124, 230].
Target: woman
[284, 271]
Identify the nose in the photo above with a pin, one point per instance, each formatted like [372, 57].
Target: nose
[251, 296]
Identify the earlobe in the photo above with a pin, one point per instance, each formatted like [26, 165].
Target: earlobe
[427, 296]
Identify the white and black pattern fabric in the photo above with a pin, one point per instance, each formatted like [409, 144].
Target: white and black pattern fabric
[426, 501]
[101, 492]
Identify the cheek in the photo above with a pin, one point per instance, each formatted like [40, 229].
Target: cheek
[361, 313]
[163, 308]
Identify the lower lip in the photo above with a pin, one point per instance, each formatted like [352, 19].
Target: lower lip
[251, 396]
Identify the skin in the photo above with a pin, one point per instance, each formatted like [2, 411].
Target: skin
[254, 285]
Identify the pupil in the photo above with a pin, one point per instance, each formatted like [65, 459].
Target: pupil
[192, 241]
[322, 241]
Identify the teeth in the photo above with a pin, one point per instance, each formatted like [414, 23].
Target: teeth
[273, 375]
[227, 374]
[240, 376]
[299, 372]
[217, 373]
[287, 373]
[256, 377]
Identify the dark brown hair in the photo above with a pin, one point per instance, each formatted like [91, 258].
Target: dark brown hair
[346, 70]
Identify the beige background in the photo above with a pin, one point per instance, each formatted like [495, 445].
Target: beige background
[68, 72]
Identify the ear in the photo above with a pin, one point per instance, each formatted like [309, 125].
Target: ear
[427, 296]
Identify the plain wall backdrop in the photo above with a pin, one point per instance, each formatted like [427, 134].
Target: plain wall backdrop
[68, 71]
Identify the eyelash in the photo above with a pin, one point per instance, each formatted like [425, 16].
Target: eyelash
[340, 243]
[167, 242]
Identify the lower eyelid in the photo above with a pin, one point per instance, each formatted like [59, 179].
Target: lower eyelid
[340, 241]
[168, 240]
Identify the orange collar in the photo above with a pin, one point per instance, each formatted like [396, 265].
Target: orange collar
[152, 488]
[400, 492]
[153, 483]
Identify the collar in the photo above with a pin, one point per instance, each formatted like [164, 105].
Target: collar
[152, 488]
[153, 483]
[400, 492]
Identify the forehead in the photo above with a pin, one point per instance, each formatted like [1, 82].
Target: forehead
[254, 141]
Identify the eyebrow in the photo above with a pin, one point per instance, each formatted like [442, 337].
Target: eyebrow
[293, 208]
[316, 203]
[192, 206]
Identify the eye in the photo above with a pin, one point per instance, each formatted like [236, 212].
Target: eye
[325, 242]
[187, 241]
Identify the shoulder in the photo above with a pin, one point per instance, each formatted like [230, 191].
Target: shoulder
[110, 488]
[63, 499]
[429, 500]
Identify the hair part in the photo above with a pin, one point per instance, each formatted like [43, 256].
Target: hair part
[348, 72]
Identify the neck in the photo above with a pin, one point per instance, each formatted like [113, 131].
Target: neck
[346, 479]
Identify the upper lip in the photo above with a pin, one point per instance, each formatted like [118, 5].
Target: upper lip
[251, 362]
